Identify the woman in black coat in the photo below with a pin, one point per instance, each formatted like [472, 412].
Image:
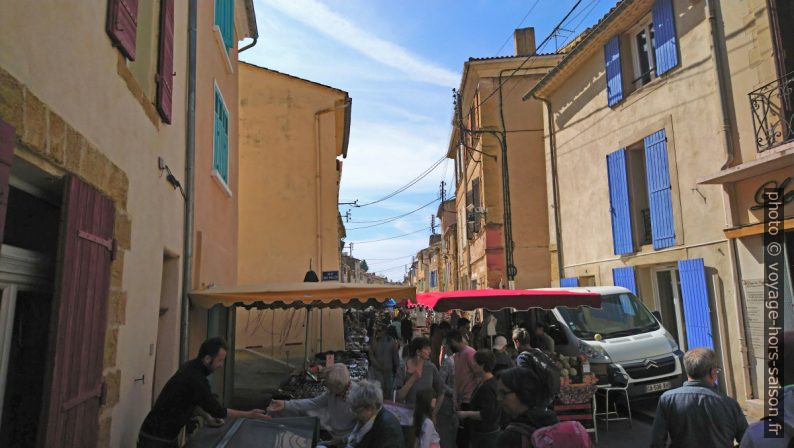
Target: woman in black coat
[375, 426]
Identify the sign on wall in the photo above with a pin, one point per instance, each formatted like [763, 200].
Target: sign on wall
[330, 276]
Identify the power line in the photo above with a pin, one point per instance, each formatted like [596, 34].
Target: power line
[392, 237]
[411, 183]
[389, 269]
[527, 58]
[380, 222]
[518, 26]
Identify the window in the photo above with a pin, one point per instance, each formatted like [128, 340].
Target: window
[473, 209]
[640, 195]
[654, 51]
[433, 279]
[224, 20]
[220, 158]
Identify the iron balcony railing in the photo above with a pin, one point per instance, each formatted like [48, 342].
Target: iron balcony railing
[772, 106]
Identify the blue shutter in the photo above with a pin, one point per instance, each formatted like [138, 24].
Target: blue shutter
[664, 36]
[697, 315]
[659, 193]
[569, 282]
[220, 159]
[224, 18]
[620, 210]
[613, 76]
[625, 277]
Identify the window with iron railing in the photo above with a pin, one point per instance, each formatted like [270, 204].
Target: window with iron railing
[772, 107]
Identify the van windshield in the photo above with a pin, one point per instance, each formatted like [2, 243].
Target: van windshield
[620, 315]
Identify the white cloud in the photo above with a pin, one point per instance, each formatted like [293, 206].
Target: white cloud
[339, 28]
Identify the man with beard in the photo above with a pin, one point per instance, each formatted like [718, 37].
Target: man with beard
[185, 390]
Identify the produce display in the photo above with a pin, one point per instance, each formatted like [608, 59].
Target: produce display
[571, 370]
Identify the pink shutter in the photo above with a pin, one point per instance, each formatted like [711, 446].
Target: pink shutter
[81, 293]
[7, 142]
[165, 66]
[122, 25]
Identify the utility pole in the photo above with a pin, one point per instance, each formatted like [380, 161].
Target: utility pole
[443, 191]
[432, 224]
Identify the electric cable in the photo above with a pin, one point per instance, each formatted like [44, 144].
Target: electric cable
[389, 269]
[411, 183]
[392, 237]
[518, 26]
[380, 222]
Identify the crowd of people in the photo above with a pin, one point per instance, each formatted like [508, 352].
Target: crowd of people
[463, 397]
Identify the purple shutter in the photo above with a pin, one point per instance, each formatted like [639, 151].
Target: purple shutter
[81, 293]
[122, 25]
[165, 66]
[7, 142]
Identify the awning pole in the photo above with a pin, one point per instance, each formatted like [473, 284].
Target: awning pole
[306, 341]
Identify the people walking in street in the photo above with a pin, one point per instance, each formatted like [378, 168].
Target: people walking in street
[334, 401]
[424, 431]
[417, 373]
[464, 326]
[484, 417]
[696, 414]
[375, 426]
[437, 341]
[446, 418]
[186, 390]
[544, 341]
[524, 394]
[465, 379]
[384, 359]
[407, 328]
[521, 340]
[503, 359]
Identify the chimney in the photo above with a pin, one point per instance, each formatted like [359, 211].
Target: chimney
[524, 39]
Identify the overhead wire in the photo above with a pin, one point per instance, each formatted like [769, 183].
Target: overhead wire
[389, 269]
[380, 222]
[411, 183]
[518, 26]
[391, 237]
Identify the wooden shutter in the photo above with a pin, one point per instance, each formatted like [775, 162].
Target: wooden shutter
[664, 36]
[619, 206]
[224, 18]
[625, 277]
[475, 197]
[7, 142]
[221, 153]
[82, 283]
[165, 65]
[122, 25]
[695, 295]
[659, 190]
[569, 282]
[613, 73]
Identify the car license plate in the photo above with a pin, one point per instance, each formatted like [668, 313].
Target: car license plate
[658, 386]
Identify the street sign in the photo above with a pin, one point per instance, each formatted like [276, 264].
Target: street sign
[330, 276]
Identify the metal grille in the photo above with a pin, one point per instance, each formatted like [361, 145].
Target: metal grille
[772, 107]
[651, 368]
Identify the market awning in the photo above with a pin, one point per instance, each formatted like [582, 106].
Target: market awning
[300, 295]
[498, 299]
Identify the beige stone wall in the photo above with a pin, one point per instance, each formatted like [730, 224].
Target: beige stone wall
[684, 102]
[77, 109]
[278, 200]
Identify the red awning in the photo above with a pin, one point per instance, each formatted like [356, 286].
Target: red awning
[497, 299]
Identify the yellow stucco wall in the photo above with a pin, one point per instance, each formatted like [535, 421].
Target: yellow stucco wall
[278, 199]
[60, 52]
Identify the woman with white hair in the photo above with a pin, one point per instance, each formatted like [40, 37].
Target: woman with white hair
[375, 426]
[338, 419]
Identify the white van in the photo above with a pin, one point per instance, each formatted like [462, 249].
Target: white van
[626, 342]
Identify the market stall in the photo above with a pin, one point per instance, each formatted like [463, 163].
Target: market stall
[299, 432]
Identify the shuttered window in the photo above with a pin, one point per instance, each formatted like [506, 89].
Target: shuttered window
[619, 205]
[122, 25]
[625, 278]
[475, 196]
[220, 160]
[613, 73]
[666, 47]
[224, 18]
[165, 64]
[659, 190]
[81, 293]
[7, 143]
[697, 312]
[569, 282]
[433, 279]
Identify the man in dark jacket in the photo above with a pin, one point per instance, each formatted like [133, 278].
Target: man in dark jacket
[695, 414]
[186, 390]
[375, 426]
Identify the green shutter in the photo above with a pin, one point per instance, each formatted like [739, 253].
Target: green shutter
[220, 158]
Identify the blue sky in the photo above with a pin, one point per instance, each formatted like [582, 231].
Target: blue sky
[399, 62]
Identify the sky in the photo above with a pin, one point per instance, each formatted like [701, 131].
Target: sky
[399, 61]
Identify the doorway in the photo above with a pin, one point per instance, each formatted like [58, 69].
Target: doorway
[166, 358]
[667, 297]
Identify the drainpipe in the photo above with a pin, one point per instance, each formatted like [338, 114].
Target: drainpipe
[720, 69]
[719, 64]
[190, 154]
[555, 193]
[318, 172]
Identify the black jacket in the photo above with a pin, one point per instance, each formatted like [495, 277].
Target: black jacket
[185, 390]
[385, 432]
[530, 421]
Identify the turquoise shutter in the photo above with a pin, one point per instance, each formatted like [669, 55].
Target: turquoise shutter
[224, 18]
[225, 143]
[569, 282]
[625, 277]
[659, 192]
[620, 210]
[220, 161]
[613, 75]
[697, 314]
[664, 36]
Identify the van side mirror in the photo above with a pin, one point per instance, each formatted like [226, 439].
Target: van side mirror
[657, 315]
